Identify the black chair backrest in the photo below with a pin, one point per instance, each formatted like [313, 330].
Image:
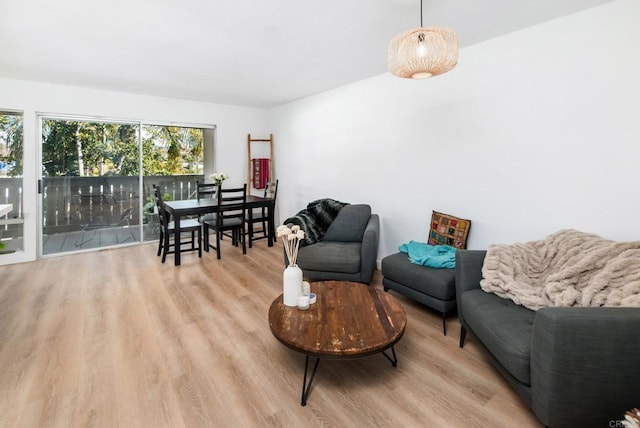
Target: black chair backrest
[271, 190]
[205, 190]
[162, 214]
[232, 203]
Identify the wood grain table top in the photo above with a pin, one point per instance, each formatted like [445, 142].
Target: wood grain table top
[349, 320]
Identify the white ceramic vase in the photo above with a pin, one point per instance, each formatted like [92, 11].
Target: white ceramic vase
[291, 285]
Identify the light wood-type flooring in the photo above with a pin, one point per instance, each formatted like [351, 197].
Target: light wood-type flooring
[114, 338]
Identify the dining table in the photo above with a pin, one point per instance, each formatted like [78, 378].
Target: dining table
[190, 207]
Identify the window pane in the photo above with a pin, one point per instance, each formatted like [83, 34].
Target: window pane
[90, 184]
[172, 158]
[172, 150]
[11, 158]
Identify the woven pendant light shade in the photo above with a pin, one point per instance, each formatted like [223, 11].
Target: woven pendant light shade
[423, 52]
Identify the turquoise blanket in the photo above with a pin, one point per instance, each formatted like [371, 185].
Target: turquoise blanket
[436, 256]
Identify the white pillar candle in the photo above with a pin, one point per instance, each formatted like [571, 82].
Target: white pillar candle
[303, 302]
[306, 288]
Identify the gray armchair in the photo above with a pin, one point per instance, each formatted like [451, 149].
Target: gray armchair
[347, 251]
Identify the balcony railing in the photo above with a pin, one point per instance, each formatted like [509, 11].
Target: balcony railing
[73, 203]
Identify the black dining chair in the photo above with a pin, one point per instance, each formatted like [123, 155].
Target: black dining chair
[261, 215]
[168, 230]
[229, 217]
[205, 190]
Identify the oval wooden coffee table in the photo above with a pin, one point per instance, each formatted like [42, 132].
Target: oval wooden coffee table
[349, 320]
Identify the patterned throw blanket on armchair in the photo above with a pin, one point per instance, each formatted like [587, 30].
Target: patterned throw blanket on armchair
[567, 268]
[316, 219]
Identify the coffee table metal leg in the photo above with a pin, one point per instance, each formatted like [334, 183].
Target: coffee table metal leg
[305, 387]
[394, 360]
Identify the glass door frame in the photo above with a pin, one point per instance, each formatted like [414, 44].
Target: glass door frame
[40, 116]
[208, 152]
[28, 251]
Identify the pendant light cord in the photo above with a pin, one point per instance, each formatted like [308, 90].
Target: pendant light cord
[420, 13]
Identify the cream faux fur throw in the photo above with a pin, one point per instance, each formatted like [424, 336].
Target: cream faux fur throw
[567, 268]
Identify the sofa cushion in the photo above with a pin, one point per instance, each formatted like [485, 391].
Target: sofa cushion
[503, 327]
[438, 283]
[448, 230]
[349, 224]
[343, 257]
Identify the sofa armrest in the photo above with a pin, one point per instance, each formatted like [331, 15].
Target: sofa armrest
[585, 365]
[369, 250]
[468, 273]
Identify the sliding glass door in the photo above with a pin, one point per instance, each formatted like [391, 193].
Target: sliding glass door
[97, 177]
[90, 184]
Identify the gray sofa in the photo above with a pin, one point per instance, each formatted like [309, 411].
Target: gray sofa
[347, 251]
[572, 366]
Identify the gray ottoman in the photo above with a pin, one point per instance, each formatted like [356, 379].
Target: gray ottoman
[435, 288]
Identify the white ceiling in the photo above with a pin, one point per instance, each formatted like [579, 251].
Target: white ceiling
[249, 52]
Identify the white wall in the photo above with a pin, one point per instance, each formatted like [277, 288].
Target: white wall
[534, 131]
[233, 123]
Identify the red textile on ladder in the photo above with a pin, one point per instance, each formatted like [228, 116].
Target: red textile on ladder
[260, 172]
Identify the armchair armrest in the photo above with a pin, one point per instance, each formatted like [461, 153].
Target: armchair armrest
[468, 273]
[585, 365]
[369, 250]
